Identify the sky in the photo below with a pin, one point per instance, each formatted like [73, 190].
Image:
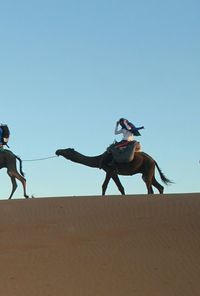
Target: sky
[70, 69]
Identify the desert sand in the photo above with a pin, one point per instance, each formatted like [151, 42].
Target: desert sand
[94, 246]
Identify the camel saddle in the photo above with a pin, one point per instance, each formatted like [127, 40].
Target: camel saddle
[125, 153]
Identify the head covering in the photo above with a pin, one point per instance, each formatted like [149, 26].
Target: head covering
[125, 124]
[129, 126]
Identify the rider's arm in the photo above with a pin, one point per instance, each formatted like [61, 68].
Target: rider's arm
[118, 131]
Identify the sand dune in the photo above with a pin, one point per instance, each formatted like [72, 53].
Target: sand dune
[82, 246]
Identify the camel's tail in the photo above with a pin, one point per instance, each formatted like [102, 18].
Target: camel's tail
[162, 176]
[20, 165]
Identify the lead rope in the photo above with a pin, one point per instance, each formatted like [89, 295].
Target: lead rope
[38, 159]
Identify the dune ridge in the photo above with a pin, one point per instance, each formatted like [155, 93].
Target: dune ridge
[134, 245]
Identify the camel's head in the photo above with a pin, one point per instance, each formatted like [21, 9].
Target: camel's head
[67, 153]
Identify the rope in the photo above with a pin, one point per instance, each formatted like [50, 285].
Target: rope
[38, 159]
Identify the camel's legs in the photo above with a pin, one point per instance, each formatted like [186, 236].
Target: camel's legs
[14, 186]
[105, 183]
[115, 179]
[157, 185]
[118, 183]
[148, 176]
[13, 175]
[148, 182]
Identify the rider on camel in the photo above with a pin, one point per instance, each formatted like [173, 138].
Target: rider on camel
[128, 130]
[3, 138]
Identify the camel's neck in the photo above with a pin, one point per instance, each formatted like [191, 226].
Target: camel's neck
[91, 161]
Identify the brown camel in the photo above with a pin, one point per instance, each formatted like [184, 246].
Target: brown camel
[141, 164]
[8, 160]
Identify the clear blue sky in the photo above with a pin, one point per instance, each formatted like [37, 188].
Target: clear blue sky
[70, 69]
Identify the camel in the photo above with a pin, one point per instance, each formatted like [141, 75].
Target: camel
[8, 160]
[141, 164]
